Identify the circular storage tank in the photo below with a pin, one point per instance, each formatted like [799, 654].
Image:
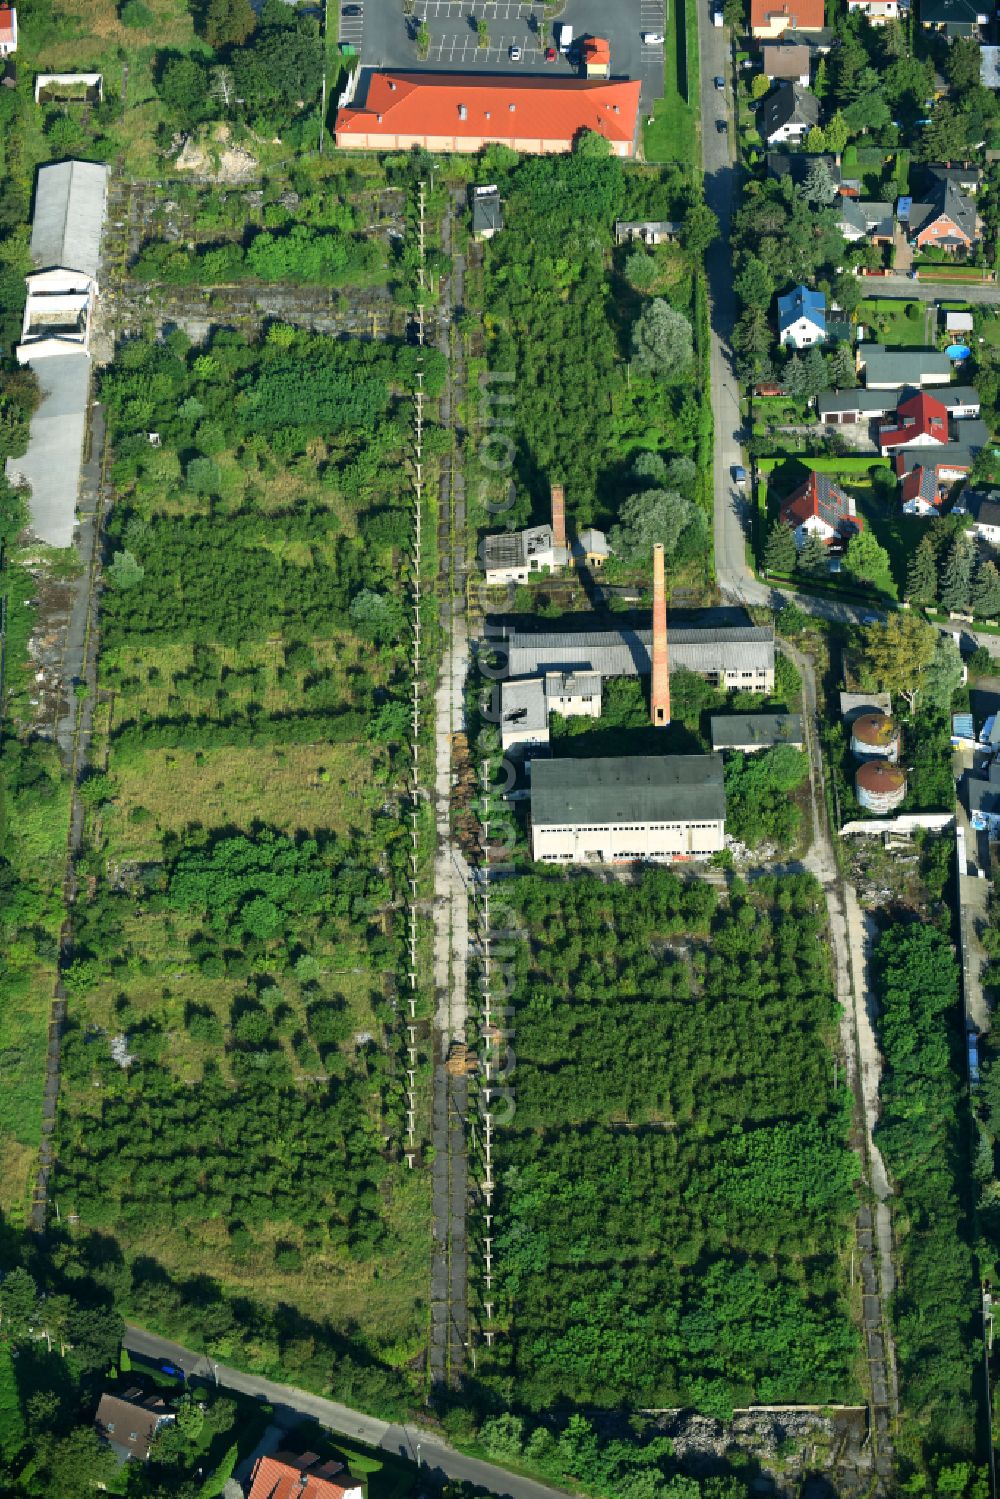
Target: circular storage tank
[875, 737]
[880, 787]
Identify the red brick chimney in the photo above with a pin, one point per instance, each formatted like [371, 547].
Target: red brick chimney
[659, 697]
[558, 515]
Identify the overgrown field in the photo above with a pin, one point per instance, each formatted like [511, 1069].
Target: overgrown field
[231, 1109]
[596, 360]
[676, 1183]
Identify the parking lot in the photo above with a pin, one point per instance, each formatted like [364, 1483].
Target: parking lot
[385, 38]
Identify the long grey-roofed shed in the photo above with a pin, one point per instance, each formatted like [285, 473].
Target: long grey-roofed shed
[69, 216]
[630, 789]
[626, 652]
[756, 731]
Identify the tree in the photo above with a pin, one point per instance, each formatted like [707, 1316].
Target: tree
[124, 571]
[819, 186]
[942, 675]
[640, 270]
[482, 34]
[423, 40]
[869, 562]
[228, 23]
[699, 229]
[894, 654]
[945, 136]
[962, 65]
[837, 133]
[814, 374]
[814, 558]
[956, 576]
[760, 86]
[662, 341]
[755, 284]
[794, 378]
[779, 549]
[921, 575]
[184, 89]
[869, 112]
[18, 1300]
[815, 141]
[842, 369]
[654, 515]
[76, 1463]
[986, 591]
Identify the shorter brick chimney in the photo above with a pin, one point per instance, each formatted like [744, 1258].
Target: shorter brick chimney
[558, 515]
[659, 696]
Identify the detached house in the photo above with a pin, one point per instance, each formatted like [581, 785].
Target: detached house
[947, 218]
[790, 64]
[921, 421]
[8, 30]
[289, 1475]
[858, 219]
[129, 1422]
[802, 318]
[772, 18]
[889, 369]
[877, 12]
[788, 114]
[821, 508]
[953, 18]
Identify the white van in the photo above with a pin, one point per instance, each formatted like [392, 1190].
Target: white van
[565, 38]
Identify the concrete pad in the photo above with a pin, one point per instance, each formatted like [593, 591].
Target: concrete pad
[52, 464]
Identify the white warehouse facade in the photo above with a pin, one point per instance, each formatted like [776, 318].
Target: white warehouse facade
[663, 809]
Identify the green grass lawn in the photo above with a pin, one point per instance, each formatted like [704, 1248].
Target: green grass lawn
[673, 135]
[888, 317]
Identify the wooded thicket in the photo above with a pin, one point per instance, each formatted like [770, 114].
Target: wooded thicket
[676, 1184]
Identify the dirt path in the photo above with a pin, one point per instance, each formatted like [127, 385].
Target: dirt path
[449, 1124]
[851, 943]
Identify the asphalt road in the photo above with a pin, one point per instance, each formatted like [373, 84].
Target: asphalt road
[930, 291]
[291, 1405]
[733, 574]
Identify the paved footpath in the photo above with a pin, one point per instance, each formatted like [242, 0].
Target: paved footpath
[291, 1405]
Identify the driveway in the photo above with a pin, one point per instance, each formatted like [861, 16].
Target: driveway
[387, 38]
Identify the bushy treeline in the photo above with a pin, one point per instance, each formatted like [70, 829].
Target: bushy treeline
[302, 256]
[676, 1182]
[921, 1136]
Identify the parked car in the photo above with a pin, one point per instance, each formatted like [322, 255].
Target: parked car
[720, 83]
[652, 38]
[350, 10]
[717, 18]
[515, 54]
[722, 126]
[550, 54]
[739, 474]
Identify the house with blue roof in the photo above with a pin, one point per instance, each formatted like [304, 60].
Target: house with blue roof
[802, 318]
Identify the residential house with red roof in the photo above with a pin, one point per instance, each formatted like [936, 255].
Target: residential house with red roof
[921, 421]
[289, 1475]
[464, 112]
[8, 30]
[771, 18]
[819, 507]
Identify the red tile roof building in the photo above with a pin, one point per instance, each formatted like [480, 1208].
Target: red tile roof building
[769, 18]
[8, 30]
[292, 1476]
[595, 54]
[821, 508]
[921, 421]
[463, 112]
